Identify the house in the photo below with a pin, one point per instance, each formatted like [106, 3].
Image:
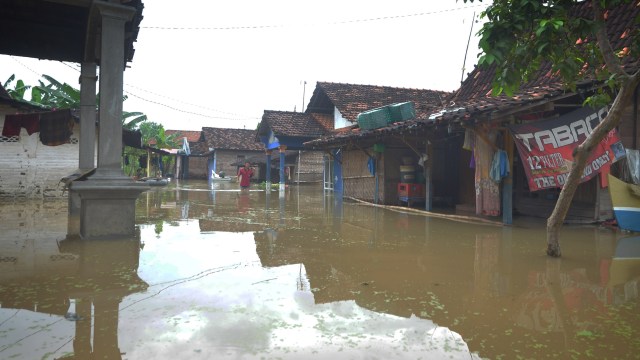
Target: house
[228, 146]
[366, 164]
[475, 125]
[194, 164]
[545, 97]
[287, 132]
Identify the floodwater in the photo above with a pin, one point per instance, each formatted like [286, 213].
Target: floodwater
[218, 273]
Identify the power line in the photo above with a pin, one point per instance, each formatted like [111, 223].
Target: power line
[259, 27]
[183, 102]
[189, 112]
[25, 66]
[176, 100]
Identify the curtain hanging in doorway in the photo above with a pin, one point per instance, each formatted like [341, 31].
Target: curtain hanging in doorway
[487, 190]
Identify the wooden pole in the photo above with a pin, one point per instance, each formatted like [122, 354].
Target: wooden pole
[507, 183]
[428, 186]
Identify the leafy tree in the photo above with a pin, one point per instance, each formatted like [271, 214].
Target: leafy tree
[520, 35]
[133, 124]
[153, 133]
[56, 95]
[18, 90]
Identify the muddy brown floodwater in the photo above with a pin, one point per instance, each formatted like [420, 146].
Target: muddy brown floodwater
[218, 273]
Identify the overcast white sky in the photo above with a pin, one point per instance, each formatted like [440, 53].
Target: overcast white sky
[222, 63]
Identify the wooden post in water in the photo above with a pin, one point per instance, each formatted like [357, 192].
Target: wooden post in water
[268, 175]
[282, 149]
[428, 189]
[507, 183]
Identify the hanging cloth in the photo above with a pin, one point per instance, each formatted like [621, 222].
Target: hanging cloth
[499, 166]
[487, 190]
[371, 164]
[13, 124]
[468, 139]
[56, 127]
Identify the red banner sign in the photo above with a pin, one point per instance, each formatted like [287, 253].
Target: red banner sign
[546, 147]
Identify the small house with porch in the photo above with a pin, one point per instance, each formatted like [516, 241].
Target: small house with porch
[286, 132]
[367, 164]
[191, 165]
[228, 146]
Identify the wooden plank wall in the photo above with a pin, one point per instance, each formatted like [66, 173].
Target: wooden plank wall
[311, 167]
[358, 182]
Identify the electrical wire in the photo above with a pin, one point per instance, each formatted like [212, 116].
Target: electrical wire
[260, 27]
[189, 112]
[183, 102]
[239, 116]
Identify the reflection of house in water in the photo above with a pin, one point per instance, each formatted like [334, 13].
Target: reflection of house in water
[402, 266]
[73, 279]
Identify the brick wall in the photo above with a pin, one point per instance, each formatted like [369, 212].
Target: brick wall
[224, 159]
[198, 167]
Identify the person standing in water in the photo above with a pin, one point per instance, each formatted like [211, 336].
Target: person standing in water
[244, 176]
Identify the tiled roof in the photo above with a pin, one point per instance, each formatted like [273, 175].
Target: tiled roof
[295, 124]
[474, 95]
[231, 139]
[353, 99]
[192, 136]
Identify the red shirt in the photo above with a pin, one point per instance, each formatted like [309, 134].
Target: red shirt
[246, 175]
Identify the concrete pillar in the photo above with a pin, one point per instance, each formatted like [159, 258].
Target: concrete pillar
[87, 116]
[107, 198]
[82, 341]
[105, 331]
[112, 63]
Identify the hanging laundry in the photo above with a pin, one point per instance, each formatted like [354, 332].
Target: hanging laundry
[504, 164]
[472, 162]
[56, 128]
[31, 123]
[371, 165]
[468, 139]
[499, 166]
[13, 124]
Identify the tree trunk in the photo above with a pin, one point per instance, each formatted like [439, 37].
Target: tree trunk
[581, 154]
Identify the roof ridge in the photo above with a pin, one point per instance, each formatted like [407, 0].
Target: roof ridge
[383, 86]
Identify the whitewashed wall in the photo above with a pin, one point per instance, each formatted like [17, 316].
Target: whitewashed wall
[33, 170]
[340, 121]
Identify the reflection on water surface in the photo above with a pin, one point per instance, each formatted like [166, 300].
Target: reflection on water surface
[219, 273]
